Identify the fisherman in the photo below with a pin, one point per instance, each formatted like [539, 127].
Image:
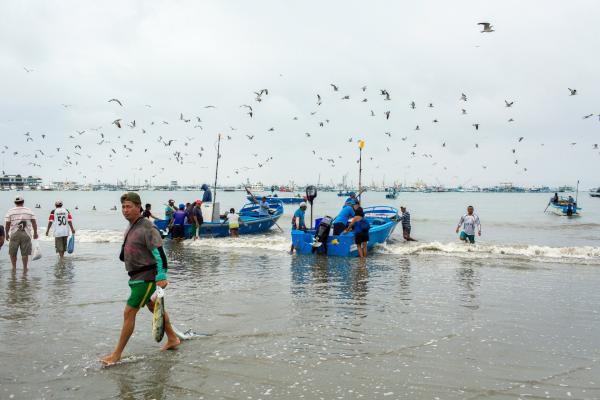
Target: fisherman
[360, 226]
[406, 227]
[469, 221]
[352, 197]
[340, 223]
[62, 220]
[298, 221]
[170, 210]
[233, 220]
[554, 199]
[148, 212]
[2, 236]
[197, 218]
[19, 221]
[263, 207]
[146, 264]
[207, 195]
[179, 218]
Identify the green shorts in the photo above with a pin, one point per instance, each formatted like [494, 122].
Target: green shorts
[465, 237]
[140, 293]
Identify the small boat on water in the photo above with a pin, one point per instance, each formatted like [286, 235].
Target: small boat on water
[564, 208]
[284, 199]
[345, 193]
[250, 222]
[391, 194]
[595, 193]
[383, 221]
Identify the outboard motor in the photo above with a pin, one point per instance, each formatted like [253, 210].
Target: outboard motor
[322, 234]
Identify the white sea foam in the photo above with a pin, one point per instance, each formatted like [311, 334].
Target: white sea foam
[586, 254]
[93, 236]
[264, 242]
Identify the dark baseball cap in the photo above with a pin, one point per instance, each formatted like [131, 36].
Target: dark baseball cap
[132, 197]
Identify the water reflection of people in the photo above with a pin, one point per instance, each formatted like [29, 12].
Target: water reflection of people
[20, 299]
[469, 280]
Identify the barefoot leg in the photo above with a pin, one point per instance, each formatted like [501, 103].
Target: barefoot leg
[172, 339]
[128, 326]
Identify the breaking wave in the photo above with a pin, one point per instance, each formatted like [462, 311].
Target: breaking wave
[581, 254]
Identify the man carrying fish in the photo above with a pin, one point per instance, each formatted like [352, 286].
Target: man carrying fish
[146, 264]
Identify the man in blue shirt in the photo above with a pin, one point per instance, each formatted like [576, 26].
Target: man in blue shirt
[298, 219]
[207, 195]
[351, 198]
[263, 207]
[340, 223]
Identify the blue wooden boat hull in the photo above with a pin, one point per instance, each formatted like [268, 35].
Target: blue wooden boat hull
[383, 221]
[562, 210]
[284, 200]
[250, 223]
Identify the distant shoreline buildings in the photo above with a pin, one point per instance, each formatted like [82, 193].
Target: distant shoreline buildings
[18, 182]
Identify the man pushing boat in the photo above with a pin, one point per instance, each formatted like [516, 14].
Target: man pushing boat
[146, 264]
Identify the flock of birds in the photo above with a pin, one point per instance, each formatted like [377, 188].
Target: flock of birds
[123, 139]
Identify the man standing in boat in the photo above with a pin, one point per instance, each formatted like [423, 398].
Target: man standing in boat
[469, 221]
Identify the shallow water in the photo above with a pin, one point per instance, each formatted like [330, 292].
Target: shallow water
[436, 319]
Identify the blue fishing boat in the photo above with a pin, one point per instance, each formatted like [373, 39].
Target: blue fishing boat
[391, 194]
[250, 222]
[383, 221]
[285, 200]
[564, 207]
[345, 193]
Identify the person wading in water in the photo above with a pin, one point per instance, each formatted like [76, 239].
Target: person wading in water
[146, 264]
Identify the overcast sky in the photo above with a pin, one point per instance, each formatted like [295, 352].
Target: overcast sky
[161, 59]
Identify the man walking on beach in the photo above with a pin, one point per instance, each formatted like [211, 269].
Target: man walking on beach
[469, 221]
[405, 219]
[19, 222]
[62, 220]
[146, 264]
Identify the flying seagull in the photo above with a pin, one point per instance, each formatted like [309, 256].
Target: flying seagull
[487, 27]
[508, 104]
[116, 101]
[117, 122]
[463, 97]
[573, 91]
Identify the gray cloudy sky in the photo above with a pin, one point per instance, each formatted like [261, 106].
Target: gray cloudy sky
[180, 56]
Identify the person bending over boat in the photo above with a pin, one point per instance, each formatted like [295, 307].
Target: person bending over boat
[298, 221]
[360, 226]
[148, 212]
[554, 199]
[469, 221]
[351, 198]
[146, 264]
[340, 223]
[179, 218]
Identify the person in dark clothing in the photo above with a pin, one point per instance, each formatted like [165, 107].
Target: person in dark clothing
[148, 212]
[179, 218]
[197, 218]
[207, 195]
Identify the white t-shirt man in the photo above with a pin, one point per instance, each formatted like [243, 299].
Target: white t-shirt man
[469, 222]
[60, 218]
[20, 219]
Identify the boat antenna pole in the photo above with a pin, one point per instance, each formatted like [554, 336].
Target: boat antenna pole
[217, 169]
[361, 144]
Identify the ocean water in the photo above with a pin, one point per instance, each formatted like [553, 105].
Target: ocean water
[515, 316]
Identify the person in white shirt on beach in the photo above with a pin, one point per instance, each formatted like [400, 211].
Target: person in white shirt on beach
[63, 222]
[19, 222]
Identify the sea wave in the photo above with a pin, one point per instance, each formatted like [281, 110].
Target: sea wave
[281, 243]
[583, 254]
[93, 236]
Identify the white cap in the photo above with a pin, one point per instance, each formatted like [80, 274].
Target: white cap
[303, 204]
